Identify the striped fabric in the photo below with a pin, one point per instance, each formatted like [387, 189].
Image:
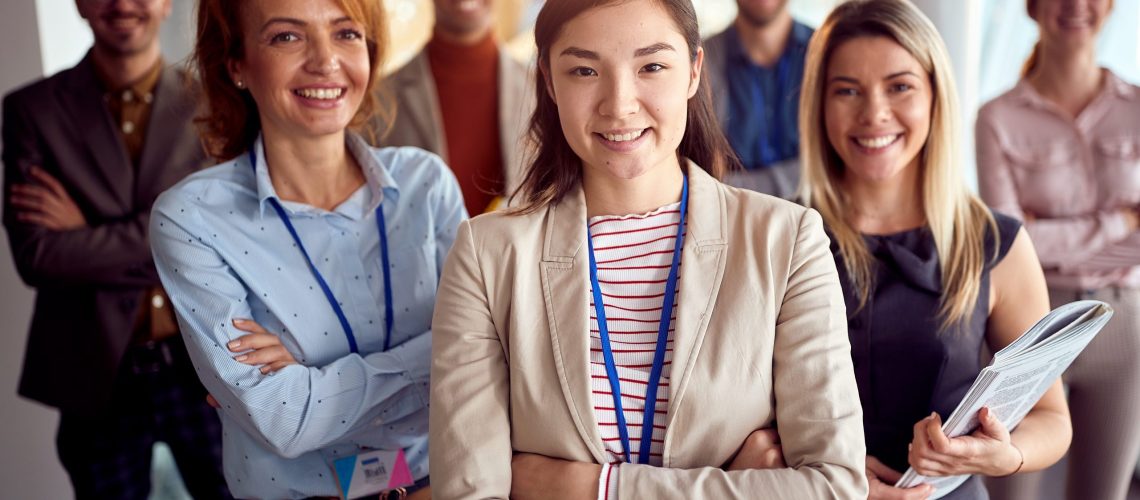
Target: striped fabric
[633, 255]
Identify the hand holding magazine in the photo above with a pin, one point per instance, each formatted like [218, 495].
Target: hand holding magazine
[1019, 375]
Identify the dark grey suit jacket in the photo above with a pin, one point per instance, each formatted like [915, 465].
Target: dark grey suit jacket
[89, 282]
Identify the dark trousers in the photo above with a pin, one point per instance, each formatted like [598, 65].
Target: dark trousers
[157, 397]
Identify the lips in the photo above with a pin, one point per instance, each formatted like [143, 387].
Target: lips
[622, 136]
[123, 20]
[878, 142]
[468, 6]
[320, 94]
[1075, 22]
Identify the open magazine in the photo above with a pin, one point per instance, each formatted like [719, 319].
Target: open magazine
[1019, 375]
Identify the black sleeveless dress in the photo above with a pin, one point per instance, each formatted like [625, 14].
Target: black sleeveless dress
[904, 365]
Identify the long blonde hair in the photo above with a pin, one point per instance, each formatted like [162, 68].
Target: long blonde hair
[957, 219]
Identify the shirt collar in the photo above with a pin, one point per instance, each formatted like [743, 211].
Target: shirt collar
[798, 38]
[1113, 86]
[144, 86]
[1118, 87]
[377, 180]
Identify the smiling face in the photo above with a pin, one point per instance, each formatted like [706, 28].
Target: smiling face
[621, 78]
[305, 64]
[1071, 22]
[124, 27]
[877, 108]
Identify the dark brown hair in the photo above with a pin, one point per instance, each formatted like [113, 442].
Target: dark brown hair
[554, 168]
[229, 122]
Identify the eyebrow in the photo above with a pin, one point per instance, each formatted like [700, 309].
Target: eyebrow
[593, 56]
[580, 53]
[298, 22]
[891, 76]
[653, 49]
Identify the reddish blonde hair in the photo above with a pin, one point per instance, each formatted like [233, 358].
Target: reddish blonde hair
[229, 122]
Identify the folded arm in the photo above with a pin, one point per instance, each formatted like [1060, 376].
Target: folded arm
[299, 409]
[104, 253]
[1061, 242]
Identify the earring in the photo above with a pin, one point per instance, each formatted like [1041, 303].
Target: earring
[240, 84]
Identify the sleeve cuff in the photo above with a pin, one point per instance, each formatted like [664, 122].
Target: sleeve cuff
[607, 482]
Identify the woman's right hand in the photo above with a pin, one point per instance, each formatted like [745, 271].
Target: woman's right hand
[761, 450]
[260, 348]
[881, 480]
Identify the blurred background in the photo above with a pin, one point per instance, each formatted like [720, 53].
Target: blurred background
[988, 40]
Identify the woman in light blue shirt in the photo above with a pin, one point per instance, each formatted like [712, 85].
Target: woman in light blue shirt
[330, 244]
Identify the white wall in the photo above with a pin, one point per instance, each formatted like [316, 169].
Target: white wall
[27, 436]
[36, 39]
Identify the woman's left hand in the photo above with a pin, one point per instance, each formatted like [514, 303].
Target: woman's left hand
[987, 451]
[536, 476]
[260, 348]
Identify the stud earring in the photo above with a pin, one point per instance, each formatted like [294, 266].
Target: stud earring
[240, 84]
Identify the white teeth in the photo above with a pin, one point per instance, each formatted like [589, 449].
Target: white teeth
[323, 94]
[623, 137]
[877, 142]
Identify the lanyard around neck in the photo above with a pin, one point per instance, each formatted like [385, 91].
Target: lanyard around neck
[384, 268]
[662, 339]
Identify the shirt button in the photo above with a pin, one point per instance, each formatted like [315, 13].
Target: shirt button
[128, 127]
[157, 302]
[128, 96]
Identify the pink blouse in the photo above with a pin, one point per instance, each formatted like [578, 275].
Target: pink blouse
[1072, 175]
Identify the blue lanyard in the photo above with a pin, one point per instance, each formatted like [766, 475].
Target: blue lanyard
[381, 227]
[662, 339]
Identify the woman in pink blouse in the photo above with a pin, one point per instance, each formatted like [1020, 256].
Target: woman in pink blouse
[1061, 150]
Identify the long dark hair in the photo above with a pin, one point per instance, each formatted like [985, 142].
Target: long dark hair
[554, 168]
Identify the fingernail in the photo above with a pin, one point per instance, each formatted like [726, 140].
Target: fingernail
[239, 321]
[241, 358]
[234, 345]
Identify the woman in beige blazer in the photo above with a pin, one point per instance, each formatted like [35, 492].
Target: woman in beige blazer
[758, 342]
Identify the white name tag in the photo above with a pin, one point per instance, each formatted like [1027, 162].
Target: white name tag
[371, 472]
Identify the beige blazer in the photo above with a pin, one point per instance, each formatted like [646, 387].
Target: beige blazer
[419, 121]
[760, 341]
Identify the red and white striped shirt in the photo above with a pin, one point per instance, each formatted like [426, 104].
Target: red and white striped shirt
[633, 255]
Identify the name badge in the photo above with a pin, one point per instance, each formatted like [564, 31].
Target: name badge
[371, 472]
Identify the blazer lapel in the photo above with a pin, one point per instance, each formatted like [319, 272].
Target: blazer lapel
[515, 103]
[418, 94]
[165, 134]
[702, 269]
[565, 273]
[84, 103]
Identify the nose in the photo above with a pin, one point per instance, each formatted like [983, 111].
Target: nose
[321, 57]
[620, 98]
[876, 109]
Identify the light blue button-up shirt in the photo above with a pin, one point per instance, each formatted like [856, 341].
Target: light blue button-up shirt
[223, 253]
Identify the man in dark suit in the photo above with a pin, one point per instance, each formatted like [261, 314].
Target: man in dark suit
[85, 153]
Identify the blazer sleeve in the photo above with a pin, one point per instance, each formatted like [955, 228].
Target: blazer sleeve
[1061, 242]
[818, 414]
[470, 383]
[106, 254]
